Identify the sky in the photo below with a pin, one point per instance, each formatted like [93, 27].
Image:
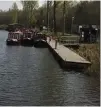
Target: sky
[5, 4]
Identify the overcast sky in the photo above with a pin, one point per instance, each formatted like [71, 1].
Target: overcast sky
[5, 4]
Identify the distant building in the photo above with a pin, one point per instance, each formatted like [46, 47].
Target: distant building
[91, 32]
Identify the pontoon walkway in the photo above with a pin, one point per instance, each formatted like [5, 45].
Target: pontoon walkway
[69, 57]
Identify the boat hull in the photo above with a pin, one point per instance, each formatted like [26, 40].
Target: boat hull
[11, 42]
[27, 42]
[40, 44]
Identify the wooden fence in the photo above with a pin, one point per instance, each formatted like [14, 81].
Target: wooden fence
[69, 40]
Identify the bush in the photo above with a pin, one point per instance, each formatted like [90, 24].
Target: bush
[90, 52]
[3, 27]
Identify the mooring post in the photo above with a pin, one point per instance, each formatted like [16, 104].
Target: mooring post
[56, 44]
[49, 39]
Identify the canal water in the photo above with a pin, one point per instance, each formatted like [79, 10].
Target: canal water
[31, 76]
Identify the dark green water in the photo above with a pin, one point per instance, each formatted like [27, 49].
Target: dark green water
[31, 76]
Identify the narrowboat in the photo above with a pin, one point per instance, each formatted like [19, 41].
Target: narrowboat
[40, 41]
[39, 36]
[27, 39]
[14, 38]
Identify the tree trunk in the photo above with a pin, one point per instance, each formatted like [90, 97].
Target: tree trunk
[54, 11]
[47, 15]
[63, 17]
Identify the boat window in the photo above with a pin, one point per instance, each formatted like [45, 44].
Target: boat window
[17, 35]
[24, 35]
[29, 35]
[13, 36]
[9, 35]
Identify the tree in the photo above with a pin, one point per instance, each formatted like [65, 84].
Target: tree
[56, 3]
[48, 15]
[64, 17]
[14, 11]
[49, 3]
[29, 7]
[85, 12]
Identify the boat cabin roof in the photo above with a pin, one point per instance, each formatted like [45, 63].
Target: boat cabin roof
[39, 33]
[28, 32]
[18, 32]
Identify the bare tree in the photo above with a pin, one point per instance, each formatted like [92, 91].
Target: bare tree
[14, 12]
[64, 17]
[28, 8]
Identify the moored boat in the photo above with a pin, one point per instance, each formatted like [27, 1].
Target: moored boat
[27, 39]
[39, 36]
[40, 41]
[14, 38]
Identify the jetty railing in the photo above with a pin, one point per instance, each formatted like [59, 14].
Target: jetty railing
[69, 40]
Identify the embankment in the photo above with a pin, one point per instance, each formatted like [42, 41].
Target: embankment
[91, 52]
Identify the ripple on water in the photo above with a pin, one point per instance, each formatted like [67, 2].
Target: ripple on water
[31, 76]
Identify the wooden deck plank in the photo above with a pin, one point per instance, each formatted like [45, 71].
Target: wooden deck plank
[66, 54]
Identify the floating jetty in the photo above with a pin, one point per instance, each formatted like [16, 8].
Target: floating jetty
[67, 58]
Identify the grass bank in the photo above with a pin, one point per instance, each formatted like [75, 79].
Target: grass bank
[90, 52]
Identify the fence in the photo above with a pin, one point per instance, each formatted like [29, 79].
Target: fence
[69, 40]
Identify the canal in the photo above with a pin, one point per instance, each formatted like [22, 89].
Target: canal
[31, 76]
